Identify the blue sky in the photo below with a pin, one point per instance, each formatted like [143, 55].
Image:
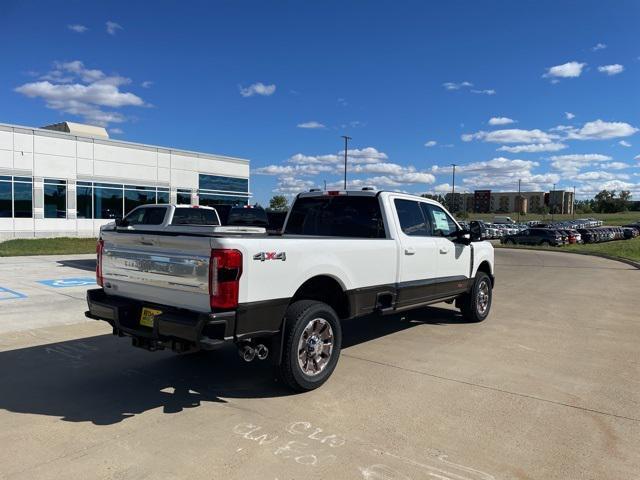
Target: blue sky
[416, 85]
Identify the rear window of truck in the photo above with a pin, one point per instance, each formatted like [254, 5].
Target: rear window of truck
[336, 216]
[194, 216]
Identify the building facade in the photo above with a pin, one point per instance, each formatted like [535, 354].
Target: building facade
[70, 179]
[486, 201]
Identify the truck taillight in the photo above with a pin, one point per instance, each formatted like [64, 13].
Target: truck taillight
[99, 249]
[225, 269]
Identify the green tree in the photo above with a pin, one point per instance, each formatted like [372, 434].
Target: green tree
[606, 201]
[278, 202]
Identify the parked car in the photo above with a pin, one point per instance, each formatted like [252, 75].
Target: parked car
[342, 254]
[535, 236]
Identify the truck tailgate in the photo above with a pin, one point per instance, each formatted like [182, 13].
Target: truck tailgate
[159, 269]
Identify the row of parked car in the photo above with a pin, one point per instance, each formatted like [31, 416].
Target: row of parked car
[558, 234]
[494, 231]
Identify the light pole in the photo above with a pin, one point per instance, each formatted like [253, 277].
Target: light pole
[453, 189]
[552, 200]
[573, 209]
[346, 144]
[519, 202]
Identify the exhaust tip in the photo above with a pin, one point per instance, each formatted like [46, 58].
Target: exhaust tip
[247, 353]
[262, 352]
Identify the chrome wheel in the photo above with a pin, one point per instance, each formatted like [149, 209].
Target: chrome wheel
[315, 346]
[483, 297]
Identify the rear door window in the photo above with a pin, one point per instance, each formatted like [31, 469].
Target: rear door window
[336, 216]
[412, 219]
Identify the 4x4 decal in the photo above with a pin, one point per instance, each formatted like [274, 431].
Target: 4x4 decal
[262, 256]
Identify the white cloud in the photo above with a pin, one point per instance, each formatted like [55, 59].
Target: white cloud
[600, 130]
[533, 148]
[297, 172]
[512, 135]
[614, 69]
[571, 163]
[116, 131]
[74, 89]
[442, 188]
[147, 84]
[501, 173]
[312, 125]
[488, 91]
[258, 88]
[624, 143]
[600, 175]
[77, 28]
[431, 143]
[615, 165]
[500, 121]
[456, 86]
[569, 115]
[566, 70]
[113, 27]
[598, 46]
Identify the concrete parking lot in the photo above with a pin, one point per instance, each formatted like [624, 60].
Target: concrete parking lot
[548, 387]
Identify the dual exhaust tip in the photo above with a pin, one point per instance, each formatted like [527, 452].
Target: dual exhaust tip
[249, 353]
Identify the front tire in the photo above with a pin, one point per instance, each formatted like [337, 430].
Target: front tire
[476, 305]
[312, 343]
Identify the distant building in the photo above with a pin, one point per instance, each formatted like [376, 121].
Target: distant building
[68, 179]
[486, 201]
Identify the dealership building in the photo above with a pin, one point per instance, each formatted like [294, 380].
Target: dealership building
[68, 179]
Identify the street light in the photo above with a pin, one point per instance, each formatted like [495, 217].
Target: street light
[519, 202]
[573, 209]
[453, 188]
[552, 200]
[346, 143]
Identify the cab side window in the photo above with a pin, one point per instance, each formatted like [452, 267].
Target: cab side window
[442, 224]
[412, 219]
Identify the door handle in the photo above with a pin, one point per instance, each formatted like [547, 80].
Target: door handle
[444, 250]
[409, 251]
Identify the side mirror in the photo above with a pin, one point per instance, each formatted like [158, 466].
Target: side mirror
[475, 232]
[120, 222]
[463, 237]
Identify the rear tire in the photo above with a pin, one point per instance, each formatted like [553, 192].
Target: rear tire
[476, 304]
[312, 343]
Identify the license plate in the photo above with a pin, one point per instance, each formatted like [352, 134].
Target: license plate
[148, 316]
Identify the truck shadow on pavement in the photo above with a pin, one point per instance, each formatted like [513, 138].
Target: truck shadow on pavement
[88, 265]
[104, 380]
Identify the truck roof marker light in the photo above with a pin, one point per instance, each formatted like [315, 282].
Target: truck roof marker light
[333, 193]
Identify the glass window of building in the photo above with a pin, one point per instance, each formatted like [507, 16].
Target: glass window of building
[84, 199]
[183, 197]
[55, 198]
[107, 201]
[224, 184]
[22, 197]
[162, 195]
[211, 200]
[135, 196]
[5, 197]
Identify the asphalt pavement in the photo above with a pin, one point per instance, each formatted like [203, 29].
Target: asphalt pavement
[548, 387]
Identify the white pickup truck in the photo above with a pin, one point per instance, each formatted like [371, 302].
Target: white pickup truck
[341, 254]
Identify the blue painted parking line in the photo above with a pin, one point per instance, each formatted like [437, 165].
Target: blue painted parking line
[68, 282]
[6, 294]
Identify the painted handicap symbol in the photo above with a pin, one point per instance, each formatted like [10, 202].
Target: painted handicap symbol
[68, 282]
[6, 294]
